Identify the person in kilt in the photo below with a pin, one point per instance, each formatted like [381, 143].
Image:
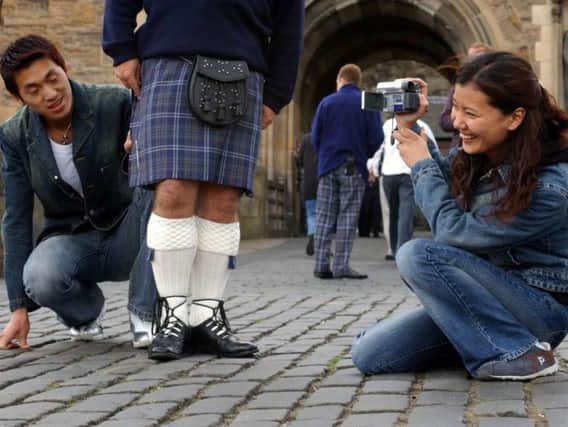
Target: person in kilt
[198, 170]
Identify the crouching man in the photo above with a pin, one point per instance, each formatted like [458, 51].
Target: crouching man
[66, 146]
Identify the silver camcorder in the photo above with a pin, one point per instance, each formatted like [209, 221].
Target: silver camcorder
[398, 96]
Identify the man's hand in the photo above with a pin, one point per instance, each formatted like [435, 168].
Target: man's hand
[129, 74]
[407, 120]
[15, 334]
[372, 178]
[267, 116]
[128, 143]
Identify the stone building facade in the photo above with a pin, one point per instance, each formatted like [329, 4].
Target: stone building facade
[388, 38]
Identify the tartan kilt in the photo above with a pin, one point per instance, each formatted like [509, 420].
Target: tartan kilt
[171, 143]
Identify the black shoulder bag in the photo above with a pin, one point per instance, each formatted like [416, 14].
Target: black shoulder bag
[217, 91]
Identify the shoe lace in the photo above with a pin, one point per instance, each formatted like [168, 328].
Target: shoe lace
[218, 321]
[170, 322]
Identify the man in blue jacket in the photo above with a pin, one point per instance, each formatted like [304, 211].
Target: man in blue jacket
[66, 147]
[344, 136]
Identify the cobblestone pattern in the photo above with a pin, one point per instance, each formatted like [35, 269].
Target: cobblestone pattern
[303, 377]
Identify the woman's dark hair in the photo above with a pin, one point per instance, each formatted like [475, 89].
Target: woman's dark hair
[21, 53]
[510, 83]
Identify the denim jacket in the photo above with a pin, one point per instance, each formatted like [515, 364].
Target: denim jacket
[100, 125]
[533, 244]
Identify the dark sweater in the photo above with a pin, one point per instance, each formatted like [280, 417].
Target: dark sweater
[267, 34]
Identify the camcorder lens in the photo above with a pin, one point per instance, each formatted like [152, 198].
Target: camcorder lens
[412, 86]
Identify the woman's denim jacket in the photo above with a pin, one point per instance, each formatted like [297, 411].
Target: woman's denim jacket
[533, 244]
[100, 123]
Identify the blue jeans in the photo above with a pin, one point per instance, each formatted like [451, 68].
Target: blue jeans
[63, 270]
[310, 216]
[402, 207]
[473, 312]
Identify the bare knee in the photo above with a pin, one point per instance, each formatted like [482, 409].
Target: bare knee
[219, 203]
[175, 198]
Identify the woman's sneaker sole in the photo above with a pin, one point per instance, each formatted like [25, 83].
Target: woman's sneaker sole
[551, 370]
[538, 361]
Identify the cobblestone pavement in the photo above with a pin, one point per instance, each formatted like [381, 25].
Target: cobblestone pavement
[303, 377]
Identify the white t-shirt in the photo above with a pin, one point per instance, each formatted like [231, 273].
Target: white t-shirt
[64, 158]
[392, 162]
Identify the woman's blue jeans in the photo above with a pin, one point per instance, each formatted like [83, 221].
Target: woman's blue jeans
[62, 272]
[472, 311]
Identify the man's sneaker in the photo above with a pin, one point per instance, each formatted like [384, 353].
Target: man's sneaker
[141, 332]
[91, 331]
[538, 361]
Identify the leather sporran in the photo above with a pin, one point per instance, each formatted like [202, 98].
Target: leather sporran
[217, 91]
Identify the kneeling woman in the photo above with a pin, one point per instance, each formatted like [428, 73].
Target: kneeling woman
[493, 282]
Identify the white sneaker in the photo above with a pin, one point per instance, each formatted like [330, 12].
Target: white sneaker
[90, 332]
[141, 331]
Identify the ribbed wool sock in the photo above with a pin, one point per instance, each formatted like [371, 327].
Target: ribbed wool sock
[174, 242]
[217, 243]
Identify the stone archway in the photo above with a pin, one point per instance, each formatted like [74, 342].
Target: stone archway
[371, 31]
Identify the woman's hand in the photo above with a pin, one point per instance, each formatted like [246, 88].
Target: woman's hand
[412, 147]
[407, 120]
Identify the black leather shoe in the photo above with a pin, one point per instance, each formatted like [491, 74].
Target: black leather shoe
[323, 274]
[310, 245]
[171, 336]
[352, 274]
[214, 336]
[389, 257]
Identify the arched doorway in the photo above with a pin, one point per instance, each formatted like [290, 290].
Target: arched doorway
[371, 32]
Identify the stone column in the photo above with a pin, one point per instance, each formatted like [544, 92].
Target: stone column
[548, 50]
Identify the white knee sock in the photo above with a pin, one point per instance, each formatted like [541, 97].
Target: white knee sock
[217, 243]
[174, 242]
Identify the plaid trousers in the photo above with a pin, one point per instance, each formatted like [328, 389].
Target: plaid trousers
[338, 204]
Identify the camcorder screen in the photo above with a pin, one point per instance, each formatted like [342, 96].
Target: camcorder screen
[398, 96]
[372, 101]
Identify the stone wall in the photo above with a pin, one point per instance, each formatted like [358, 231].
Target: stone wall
[74, 25]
